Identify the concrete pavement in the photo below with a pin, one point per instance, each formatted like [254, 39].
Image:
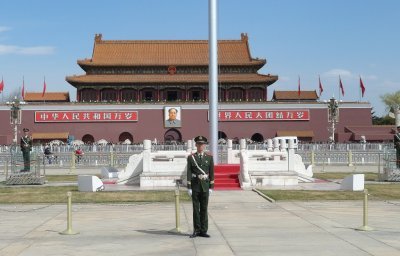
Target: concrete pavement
[240, 223]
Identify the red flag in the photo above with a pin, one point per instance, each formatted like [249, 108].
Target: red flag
[23, 89]
[299, 91]
[321, 89]
[362, 87]
[2, 85]
[341, 86]
[44, 87]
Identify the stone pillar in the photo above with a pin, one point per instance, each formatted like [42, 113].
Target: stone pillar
[269, 145]
[189, 146]
[194, 146]
[146, 155]
[276, 149]
[283, 145]
[242, 144]
[291, 158]
[229, 151]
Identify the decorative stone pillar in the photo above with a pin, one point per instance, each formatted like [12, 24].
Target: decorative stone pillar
[269, 145]
[146, 155]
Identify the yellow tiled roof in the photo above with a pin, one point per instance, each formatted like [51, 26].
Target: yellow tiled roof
[48, 96]
[168, 52]
[294, 95]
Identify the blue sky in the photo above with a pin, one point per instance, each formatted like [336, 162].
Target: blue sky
[298, 38]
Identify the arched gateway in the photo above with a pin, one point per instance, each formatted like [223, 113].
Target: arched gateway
[172, 135]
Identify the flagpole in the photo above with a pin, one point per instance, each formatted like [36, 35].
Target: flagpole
[359, 94]
[339, 88]
[2, 90]
[298, 90]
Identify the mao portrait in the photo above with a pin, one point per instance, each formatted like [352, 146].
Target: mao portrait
[172, 117]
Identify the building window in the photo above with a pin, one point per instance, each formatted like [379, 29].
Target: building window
[195, 96]
[147, 95]
[128, 95]
[172, 95]
[235, 94]
[108, 95]
[255, 94]
[88, 95]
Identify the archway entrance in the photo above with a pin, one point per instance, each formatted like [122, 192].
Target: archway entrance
[222, 135]
[88, 139]
[125, 136]
[172, 135]
[257, 137]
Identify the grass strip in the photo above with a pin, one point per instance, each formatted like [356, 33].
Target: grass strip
[57, 194]
[369, 176]
[376, 191]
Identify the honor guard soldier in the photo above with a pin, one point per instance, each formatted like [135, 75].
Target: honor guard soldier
[397, 146]
[26, 148]
[200, 177]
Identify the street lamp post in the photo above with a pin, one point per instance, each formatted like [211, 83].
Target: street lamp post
[333, 116]
[15, 116]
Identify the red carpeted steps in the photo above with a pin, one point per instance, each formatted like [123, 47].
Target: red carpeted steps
[226, 176]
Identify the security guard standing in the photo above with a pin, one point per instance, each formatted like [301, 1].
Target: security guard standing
[397, 146]
[200, 177]
[26, 148]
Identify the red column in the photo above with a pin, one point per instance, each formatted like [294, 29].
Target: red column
[78, 96]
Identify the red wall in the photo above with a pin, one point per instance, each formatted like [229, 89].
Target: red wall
[150, 123]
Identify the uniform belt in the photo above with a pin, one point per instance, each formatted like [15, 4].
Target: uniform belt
[200, 176]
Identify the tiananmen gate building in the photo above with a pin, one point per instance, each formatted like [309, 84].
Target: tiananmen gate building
[131, 88]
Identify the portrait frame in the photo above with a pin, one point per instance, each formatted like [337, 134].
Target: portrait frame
[171, 120]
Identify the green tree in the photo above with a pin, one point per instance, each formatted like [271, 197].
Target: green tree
[392, 102]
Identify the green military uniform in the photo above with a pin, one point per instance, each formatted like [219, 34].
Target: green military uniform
[200, 186]
[397, 146]
[26, 148]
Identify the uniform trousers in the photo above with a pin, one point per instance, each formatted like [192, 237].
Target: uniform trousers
[200, 215]
[26, 155]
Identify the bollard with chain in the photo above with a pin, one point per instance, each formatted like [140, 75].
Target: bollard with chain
[69, 230]
[177, 228]
[365, 226]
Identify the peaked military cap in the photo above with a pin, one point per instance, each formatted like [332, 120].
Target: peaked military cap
[200, 139]
[25, 130]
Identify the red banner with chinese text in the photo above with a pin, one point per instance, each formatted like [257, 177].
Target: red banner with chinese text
[264, 115]
[85, 116]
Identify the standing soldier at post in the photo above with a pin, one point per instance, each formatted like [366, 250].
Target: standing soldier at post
[26, 148]
[200, 177]
[397, 146]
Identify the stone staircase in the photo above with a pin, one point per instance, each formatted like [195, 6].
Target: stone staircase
[226, 177]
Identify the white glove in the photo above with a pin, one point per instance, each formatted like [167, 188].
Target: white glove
[190, 192]
[210, 191]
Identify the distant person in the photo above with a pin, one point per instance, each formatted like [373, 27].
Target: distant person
[397, 146]
[26, 148]
[79, 154]
[48, 154]
[172, 120]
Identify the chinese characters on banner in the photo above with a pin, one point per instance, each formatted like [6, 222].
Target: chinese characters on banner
[264, 115]
[85, 116]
